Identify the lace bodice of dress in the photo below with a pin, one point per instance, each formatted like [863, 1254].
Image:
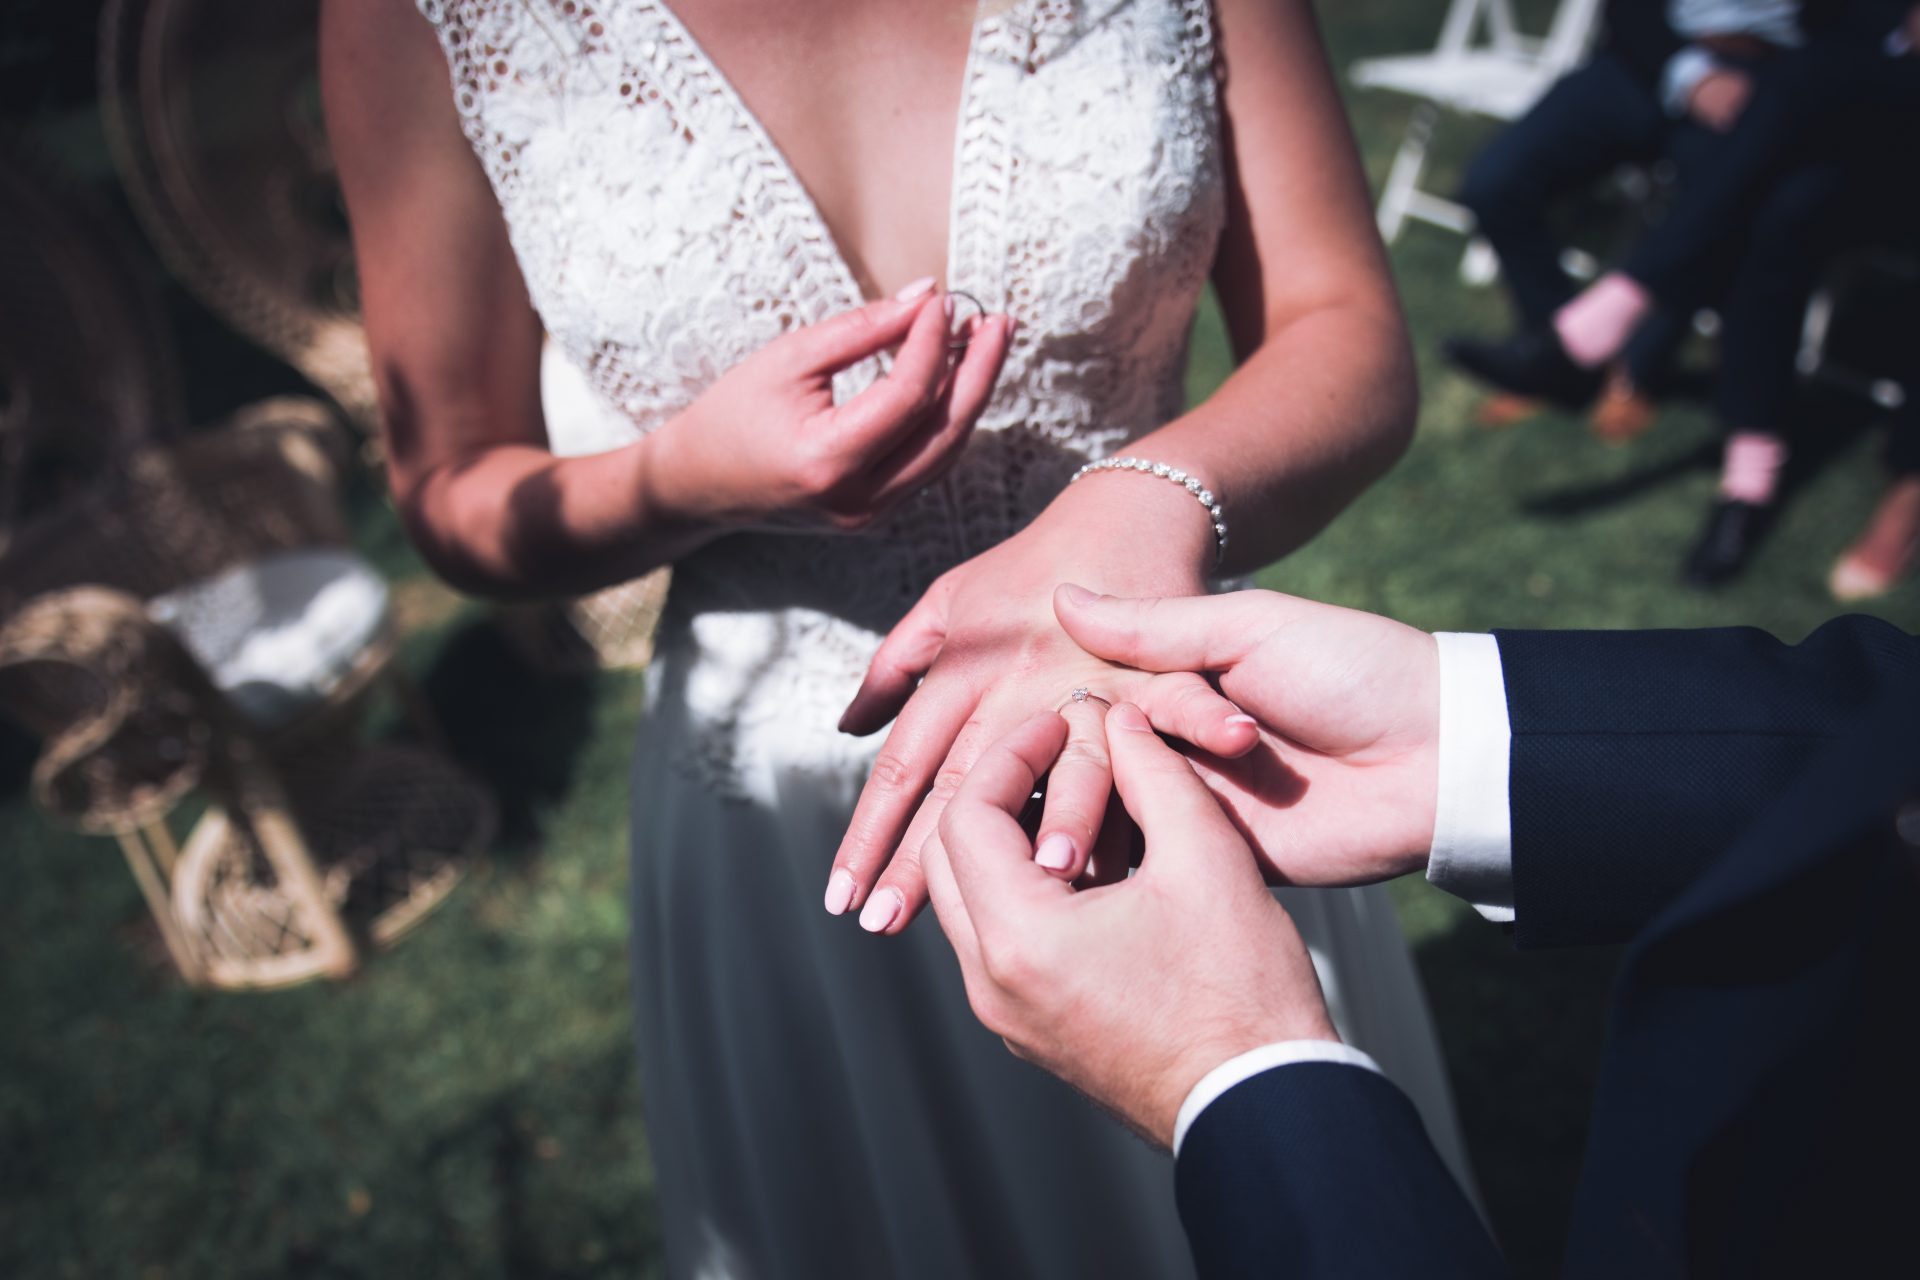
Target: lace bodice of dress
[664, 238]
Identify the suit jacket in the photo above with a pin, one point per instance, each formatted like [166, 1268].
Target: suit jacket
[1749, 814]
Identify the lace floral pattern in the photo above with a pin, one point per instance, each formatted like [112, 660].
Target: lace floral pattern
[664, 238]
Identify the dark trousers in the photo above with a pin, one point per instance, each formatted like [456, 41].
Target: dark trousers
[1592, 120]
[1783, 243]
[1837, 100]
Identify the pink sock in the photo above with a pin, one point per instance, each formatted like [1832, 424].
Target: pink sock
[1595, 326]
[1751, 469]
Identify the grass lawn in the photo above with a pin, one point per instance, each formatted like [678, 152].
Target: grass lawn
[467, 1105]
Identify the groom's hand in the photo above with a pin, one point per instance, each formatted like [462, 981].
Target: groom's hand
[1342, 787]
[1131, 991]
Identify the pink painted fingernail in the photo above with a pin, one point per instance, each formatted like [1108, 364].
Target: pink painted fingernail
[1080, 595]
[882, 909]
[840, 889]
[946, 303]
[1130, 717]
[918, 289]
[1242, 718]
[1055, 852]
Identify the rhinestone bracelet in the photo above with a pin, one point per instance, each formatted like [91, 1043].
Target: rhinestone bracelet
[1190, 483]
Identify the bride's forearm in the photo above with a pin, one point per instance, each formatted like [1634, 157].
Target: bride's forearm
[514, 520]
[1317, 413]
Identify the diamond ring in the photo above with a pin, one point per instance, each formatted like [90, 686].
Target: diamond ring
[1083, 694]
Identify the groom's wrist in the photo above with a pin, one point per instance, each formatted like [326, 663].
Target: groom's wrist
[1258, 1060]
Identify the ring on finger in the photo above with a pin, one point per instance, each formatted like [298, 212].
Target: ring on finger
[1084, 694]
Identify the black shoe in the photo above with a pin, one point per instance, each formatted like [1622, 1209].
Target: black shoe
[1530, 363]
[1734, 530]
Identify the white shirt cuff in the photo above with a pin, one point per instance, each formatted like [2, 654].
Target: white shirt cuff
[1472, 856]
[1254, 1061]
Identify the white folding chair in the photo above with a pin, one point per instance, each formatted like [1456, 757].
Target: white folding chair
[1499, 75]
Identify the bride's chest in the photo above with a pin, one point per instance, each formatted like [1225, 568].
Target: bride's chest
[659, 221]
[861, 98]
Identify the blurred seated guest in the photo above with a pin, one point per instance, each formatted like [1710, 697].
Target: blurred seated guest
[1646, 94]
[1746, 813]
[1790, 237]
[1805, 155]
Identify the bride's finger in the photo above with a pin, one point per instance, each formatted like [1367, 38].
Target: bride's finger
[902, 773]
[1183, 705]
[901, 890]
[897, 665]
[1077, 793]
[839, 340]
[873, 422]
[928, 454]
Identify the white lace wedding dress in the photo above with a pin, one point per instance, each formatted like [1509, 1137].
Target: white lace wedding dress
[821, 1102]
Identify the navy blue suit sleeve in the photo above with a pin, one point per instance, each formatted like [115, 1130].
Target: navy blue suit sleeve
[1323, 1169]
[1638, 756]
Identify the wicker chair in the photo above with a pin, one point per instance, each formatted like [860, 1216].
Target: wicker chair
[199, 624]
[86, 375]
[212, 110]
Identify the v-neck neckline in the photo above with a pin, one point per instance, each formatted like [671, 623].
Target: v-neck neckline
[789, 176]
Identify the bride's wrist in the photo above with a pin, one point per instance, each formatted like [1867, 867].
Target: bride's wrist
[1145, 533]
[678, 480]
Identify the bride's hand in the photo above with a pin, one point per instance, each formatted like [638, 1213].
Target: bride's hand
[988, 654]
[766, 440]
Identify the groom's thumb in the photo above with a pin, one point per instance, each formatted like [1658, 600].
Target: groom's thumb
[1185, 829]
[1168, 633]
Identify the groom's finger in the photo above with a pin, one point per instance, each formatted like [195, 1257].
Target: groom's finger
[1077, 792]
[1183, 705]
[1184, 826]
[1173, 633]
[980, 835]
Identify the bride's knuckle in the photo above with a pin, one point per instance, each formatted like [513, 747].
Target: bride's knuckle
[1012, 966]
[817, 476]
[891, 772]
[903, 872]
[947, 782]
[988, 1006]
